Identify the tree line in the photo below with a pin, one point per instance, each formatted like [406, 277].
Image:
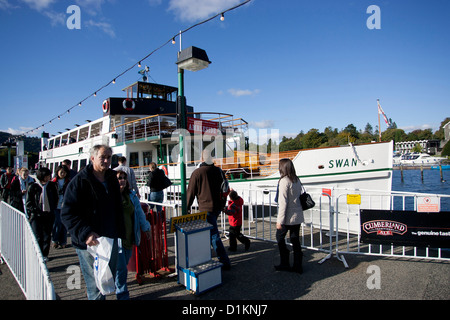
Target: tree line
[333, 137]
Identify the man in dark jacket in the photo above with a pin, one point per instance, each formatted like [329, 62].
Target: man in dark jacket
[92, 208]
[157, 181]
[205, 184]
[41, 202]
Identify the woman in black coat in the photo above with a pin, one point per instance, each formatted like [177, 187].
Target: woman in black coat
[42, 199]
[19, 187]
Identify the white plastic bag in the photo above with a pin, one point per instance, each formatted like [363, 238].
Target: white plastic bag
[103, 276]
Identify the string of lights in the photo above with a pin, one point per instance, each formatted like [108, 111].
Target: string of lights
[113, 81]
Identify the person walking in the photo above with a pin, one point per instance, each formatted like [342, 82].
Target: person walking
[92, 208]
[41, 201]
[234, 212]
[130, 174]
[157, 181]
[290, 216]
[5, 183]
[59, 233]
[19, 187]
[205, 184]
[135, 221]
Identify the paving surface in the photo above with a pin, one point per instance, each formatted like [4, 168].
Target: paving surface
[252, 277]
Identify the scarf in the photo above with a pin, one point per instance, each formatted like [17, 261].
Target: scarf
[43, 201]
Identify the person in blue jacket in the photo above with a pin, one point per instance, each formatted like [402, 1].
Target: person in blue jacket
[135, 221]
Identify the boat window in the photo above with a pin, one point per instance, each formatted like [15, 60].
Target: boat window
[50, 144]
[57, 142]
[73, 137]
[147, 155]
[174, 151]
[83, 163]
[75, 165]
[84, 134]
[96, 129]
[64, 139]
[134, 159]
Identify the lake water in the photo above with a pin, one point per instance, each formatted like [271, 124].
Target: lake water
[431, 183]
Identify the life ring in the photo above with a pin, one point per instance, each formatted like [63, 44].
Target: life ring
[105, 106]
[164, 168]
[126, 106]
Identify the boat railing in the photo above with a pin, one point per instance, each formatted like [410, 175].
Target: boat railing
[164, 125]
[243, 164]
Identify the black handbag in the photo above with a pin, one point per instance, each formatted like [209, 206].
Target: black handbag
[306, 201]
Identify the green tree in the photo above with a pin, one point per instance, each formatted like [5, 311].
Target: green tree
[313, 139]
[446, 149]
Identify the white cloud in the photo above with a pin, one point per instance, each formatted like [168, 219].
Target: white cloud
[243, 92]
[92, 7]
[104, 26]
[55, 17]
[419, 127]
[193, 10]
[5, 5]
[264, 124]
[19, 131]
[38, 5]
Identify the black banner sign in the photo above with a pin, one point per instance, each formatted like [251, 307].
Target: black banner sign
[406, 228]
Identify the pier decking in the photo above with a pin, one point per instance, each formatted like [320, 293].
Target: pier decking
[252, 277]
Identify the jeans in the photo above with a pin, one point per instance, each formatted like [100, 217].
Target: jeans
[156, 196]
[216, 242]
[122, 273]
[117, 265]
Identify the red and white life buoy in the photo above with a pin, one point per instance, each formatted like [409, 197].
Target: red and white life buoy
[164, 168]
[105, 106]
[128, 104]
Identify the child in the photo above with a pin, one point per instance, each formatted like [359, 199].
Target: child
[234, 212]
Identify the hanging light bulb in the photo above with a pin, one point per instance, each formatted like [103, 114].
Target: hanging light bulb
[114, 81]
[173, 40]
[222, 17]
[139, 64]
[95, 94]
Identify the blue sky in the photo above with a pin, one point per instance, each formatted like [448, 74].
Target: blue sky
[290, 65]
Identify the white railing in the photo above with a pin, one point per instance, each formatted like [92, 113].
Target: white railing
[20, 250]
[332, 213]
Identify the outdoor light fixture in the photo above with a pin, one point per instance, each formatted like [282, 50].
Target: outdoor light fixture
[193, 59]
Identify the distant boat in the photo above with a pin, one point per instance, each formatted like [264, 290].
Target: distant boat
[417, 159]
[444, 167]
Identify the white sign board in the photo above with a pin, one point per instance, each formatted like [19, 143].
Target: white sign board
[428, 204]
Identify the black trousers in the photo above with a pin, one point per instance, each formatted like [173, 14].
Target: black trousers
[235, 233]
[294, 237]
[42, 227]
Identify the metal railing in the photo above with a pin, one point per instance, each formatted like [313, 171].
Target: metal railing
[333, 226]
[21, 252]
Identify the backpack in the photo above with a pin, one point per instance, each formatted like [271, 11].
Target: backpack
[224, 187]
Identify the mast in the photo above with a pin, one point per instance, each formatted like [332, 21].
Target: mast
[379, 124]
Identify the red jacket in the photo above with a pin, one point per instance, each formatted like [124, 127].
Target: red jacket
[234, 212]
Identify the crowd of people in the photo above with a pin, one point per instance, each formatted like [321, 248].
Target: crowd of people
[102, 202]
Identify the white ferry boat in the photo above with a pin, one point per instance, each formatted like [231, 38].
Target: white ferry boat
[143, 128]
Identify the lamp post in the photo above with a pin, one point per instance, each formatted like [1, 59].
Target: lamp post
[192, 59]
